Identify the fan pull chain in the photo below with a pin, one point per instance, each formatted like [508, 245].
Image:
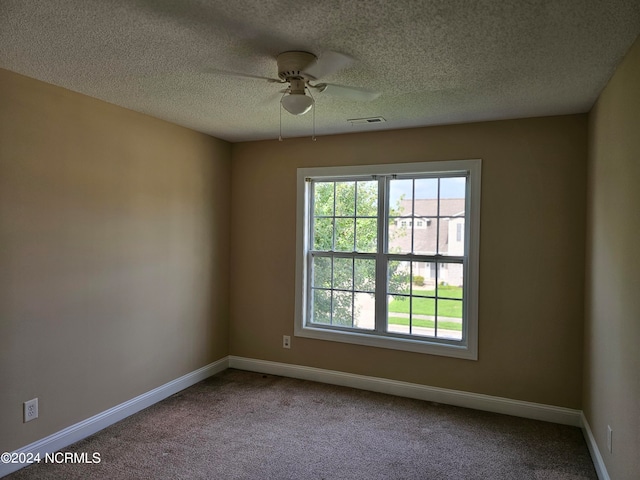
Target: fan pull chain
[313, 135]
[280, 137]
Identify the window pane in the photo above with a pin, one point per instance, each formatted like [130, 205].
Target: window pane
[443, 236]
[398, 317]
[345, 198]
[455, 237]
[323, 198]
[322, 272]
[323, 234]
[399, 304]
[342, 309]
[426, 203]
[453, 187]
[450, 319]
[423, 316]
[425, 239]
[365, 275]
[367, 204]
[399, 235]
[366, 235]
[364, 310]
[400, 197]
[421, 323]
[449, 309]
[423, 283]
[321, 306]
[423, 306]
[343, 273]
[398, 275]
[451, 282]
[345, 230]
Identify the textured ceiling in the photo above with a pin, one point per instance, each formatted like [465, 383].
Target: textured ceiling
[435, 61]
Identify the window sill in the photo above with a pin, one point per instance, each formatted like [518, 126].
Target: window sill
[393, 343]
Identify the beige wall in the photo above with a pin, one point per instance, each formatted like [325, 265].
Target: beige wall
[531, 262]
[113, 255]
[612, 340]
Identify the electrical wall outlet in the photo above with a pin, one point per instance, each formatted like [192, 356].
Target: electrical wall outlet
[30, 410]
[286, 341]
[609, 439]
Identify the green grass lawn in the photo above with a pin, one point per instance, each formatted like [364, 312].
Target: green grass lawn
[426, 323]
[426, 306]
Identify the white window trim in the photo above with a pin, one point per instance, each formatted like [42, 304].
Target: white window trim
[467, 349]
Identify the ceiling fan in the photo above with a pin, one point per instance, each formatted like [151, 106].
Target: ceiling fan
[301, 70]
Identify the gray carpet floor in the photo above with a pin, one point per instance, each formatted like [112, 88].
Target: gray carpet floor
[242, 425]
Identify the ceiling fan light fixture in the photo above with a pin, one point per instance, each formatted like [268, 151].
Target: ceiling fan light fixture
[297, 103]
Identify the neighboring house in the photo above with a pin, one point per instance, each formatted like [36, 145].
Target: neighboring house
[425, 228]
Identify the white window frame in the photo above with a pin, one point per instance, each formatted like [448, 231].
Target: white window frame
[468, 347]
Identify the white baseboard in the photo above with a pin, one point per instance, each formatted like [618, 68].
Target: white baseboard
[80, 430]
[537, 411]
[598, 462]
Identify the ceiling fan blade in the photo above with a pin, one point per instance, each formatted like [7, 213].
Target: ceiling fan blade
[243, 75]
[272, 98]
[351, 93]
[328, 63]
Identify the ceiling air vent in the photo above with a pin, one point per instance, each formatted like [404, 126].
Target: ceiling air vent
[364, 121]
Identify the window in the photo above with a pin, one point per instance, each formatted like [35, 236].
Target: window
[369, 273]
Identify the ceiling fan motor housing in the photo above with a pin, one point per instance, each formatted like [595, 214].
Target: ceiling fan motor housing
[291, 65]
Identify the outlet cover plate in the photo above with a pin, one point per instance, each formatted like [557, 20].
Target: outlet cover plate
[30, 410]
